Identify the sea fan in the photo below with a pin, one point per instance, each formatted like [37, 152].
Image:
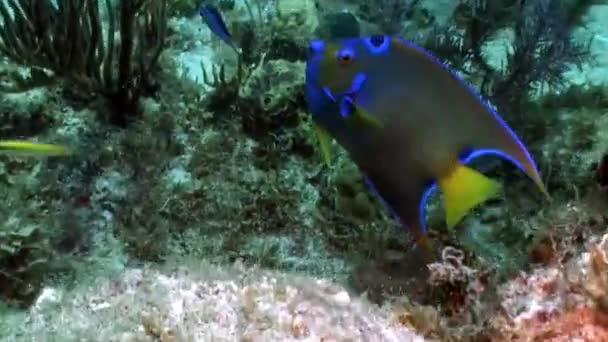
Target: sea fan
[542, 50]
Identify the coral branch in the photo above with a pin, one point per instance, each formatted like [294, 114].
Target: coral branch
[67, 39]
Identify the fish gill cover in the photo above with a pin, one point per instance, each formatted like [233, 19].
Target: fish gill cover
[197, 204]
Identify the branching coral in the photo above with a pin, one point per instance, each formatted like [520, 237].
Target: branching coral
[68, 40]
[542, 46]
[272, 31]
[458, 283]
[543, 49]
[480, 19]
[266, 89]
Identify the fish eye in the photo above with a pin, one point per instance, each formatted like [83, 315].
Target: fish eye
[345, 57]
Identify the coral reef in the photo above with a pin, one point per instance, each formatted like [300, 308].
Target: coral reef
[558, 303]
[218, 165]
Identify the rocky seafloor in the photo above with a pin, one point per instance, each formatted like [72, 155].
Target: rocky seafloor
[213, 218]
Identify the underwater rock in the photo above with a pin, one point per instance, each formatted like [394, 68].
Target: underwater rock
[566, 302]
[396, 273]
[208, 303]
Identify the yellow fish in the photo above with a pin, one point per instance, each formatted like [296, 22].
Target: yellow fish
[28, 148]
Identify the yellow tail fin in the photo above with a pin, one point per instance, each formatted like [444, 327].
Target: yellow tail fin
[463, 189]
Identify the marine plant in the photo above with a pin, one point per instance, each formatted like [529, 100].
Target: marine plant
[38, 237]
[543, 49]
[389, 15]
[338, 24]
[266, 88]
[542, 46]
[70, 40]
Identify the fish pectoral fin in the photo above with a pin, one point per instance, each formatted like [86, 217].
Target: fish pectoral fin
[324, 142]
[361, 117]
[463, 189]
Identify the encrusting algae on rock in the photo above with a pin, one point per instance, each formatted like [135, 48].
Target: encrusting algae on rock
[207, 303]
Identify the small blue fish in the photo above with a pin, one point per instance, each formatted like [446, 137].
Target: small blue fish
[213, 18]
[410, 124]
